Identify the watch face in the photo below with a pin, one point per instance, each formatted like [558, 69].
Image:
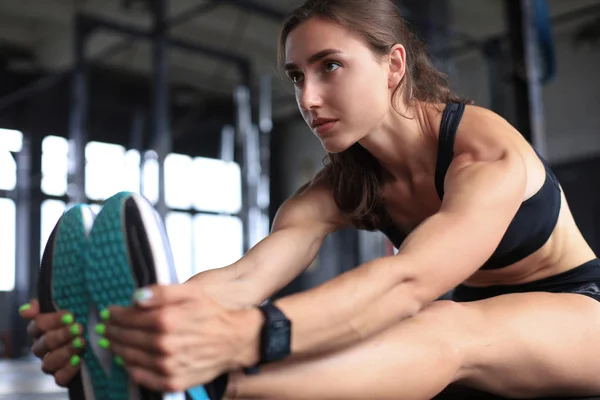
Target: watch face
[278, 345]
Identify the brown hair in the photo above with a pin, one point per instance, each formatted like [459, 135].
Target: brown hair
[355, 175]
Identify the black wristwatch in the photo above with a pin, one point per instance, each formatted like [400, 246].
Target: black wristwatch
[275, 336]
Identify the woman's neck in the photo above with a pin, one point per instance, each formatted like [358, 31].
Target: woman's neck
[403, 140]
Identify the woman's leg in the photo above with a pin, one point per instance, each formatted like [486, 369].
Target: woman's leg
[409, 361]
[517, 345]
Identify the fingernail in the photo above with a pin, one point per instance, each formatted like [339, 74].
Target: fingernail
[104, 315]
[142, 295]
[24, 307]
[67, 319]
[100, 329]
[104, 343]
[119, 360]
[74, 330]
[77, 343]
[75, 360]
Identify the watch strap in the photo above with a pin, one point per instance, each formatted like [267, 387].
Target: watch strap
[272, 314]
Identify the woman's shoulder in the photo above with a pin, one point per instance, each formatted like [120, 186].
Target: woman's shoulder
[485, 134]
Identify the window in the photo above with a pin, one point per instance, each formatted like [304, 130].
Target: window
[207, 241]
[51, 212]
[55, 164]
[110, 169]
[150, 177]
[7, 244]
[179, 178]
[132, 171]
[179, 230]
[217, 241]
[204, 242]
[10, 141]
[216, 185]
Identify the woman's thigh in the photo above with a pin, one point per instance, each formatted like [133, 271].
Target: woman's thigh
[533, 345]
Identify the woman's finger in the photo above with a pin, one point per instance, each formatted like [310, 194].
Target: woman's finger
[30, 310]
[136, 358]
[48, 322]
[55, 339]
[134, 318]
[63, 357]
[65, 375]
[138, 339]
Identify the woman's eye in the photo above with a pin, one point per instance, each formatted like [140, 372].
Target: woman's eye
[331, 66]
[295, 78]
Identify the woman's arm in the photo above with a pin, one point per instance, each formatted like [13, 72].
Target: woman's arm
[481, 198]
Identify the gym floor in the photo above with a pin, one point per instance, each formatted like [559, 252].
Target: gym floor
[23, 380]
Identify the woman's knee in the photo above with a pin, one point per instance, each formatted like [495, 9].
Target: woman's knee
[452, 328]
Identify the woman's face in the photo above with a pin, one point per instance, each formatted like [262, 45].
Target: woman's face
[342, 89]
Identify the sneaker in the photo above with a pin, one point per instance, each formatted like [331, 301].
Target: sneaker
[128, 249]
[61, 283]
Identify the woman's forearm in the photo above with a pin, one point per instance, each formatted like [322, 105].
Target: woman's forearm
[349, 308]
[346, 309]
[265, 269]
[227, 287]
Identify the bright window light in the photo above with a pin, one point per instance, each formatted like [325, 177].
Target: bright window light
[216, 185]
[179, 230]
[110, 169]
[179, 178]
[55, 150]
[217, 241]
[7, 245]
[10, 141]
[150, 177]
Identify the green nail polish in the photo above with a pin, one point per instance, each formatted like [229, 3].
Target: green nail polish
[104, 315]
[67, 319]
[77, 343]
[74, 330]
[142, 295]
[75, 360]
[24, 307]
[100, 329]
[119, 360]
[104, 343]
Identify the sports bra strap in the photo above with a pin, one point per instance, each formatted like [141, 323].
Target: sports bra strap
[450, 120]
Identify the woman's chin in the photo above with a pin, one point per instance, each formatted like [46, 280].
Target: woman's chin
[335, 146]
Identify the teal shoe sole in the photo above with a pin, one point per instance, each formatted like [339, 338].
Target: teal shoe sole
[62, 285]
[128, 249]
[110, 281]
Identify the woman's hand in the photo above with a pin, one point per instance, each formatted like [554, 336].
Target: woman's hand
[177, 337]
[57, 341]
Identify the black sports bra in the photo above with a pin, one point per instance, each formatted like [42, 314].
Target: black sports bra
[531, 226]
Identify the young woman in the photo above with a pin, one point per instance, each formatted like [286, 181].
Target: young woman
[464, 197]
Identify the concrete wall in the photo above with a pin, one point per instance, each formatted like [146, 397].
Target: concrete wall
[571, 100]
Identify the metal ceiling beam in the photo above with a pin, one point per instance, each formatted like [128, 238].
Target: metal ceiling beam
[253, 6]
[94, 22]
[48, 81]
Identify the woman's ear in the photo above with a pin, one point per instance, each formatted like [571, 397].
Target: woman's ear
[397, 65]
